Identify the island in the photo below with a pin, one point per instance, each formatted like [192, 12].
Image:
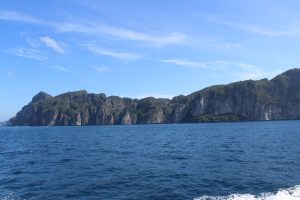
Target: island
[275, 99]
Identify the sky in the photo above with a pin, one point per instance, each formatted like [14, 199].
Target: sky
[140, 48]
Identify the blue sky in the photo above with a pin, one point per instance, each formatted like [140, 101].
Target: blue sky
[139, 48]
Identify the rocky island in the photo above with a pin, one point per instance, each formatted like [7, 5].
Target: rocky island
[248, 100]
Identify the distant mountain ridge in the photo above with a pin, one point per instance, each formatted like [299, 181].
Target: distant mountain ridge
[264, 99]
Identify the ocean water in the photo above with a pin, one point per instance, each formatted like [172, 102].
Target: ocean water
[217, 161]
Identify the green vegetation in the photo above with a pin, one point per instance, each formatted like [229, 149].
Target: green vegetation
[239, 101]
[216, 118]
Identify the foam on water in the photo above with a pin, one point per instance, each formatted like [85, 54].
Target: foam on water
[292, 193]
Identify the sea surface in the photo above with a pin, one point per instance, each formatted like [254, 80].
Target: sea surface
[214, 161]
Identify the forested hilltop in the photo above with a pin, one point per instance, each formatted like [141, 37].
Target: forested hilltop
[264, 99]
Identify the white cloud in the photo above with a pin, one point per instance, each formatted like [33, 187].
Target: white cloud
[173, 38]
[50, 42]
[226, 64]
[152, 38]
[32, 42]
[9, 74]
[122, 33]
[219, 45]
[246, 74]
[183, 62]
[256, 73]
[15, 16]
[28, 53]
[96, 28]
[119, 55]
[62, 69]
[240, 71]
[101, 69]
[290, 29]
[214, 65]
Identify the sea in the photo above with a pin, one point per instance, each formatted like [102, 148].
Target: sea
[207, 161]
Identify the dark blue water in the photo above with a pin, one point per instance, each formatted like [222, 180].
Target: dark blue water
[181, 161]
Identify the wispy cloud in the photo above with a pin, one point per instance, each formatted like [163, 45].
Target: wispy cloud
[9, 74]
[183, 62]
[205, 65]
[172, 38]
[124, 56]
[32, 42]
[62, 69]
[101, 69]
[28, 53]
[16, 16]
[51, 43]
[256, 73]
[226, 46]
[123, 33]
[238, 70]
[250, 73]
[290, 29]
[97, 28]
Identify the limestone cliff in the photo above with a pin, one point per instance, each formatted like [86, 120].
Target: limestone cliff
[264, 99]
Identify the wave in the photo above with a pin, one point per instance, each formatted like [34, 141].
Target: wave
[9, 196]
[292, 193]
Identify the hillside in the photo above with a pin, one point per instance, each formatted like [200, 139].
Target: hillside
[264, 99]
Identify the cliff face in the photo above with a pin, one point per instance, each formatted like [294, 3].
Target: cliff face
[278, 98]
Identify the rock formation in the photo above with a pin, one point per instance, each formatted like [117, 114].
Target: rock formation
[264, 99]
